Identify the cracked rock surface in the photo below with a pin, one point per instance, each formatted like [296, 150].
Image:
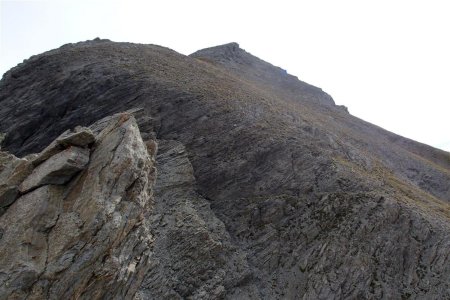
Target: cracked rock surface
[57, 169]
[84, 238]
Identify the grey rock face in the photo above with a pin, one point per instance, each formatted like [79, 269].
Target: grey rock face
[80, 137]
[24, 243]
[58, 169]
[84, 238]
[12, 172]
[194, 256]
[338, 246]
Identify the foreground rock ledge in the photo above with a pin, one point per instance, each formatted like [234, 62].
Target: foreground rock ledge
[81, 239]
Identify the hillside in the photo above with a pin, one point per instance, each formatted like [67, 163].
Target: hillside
[265, 189]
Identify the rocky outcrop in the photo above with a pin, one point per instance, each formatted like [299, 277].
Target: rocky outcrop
[12, 172]
[58, 169]
[194, 256]
[81, 137]
[84, 224]
[77, 228]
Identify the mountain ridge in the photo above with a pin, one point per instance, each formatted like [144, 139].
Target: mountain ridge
[306, 192]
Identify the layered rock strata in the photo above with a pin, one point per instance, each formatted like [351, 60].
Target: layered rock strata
[73, 225]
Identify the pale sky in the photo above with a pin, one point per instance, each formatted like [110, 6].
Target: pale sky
[388, 61]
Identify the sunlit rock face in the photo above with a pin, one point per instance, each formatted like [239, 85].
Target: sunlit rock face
[210, 176]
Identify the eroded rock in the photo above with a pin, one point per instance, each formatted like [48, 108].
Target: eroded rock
[58, 169]
[194, 256]
[86, 239]
[12, 172]
[24, 243]
[80, 137]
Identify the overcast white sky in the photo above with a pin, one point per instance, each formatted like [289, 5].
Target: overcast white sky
[387, 60]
